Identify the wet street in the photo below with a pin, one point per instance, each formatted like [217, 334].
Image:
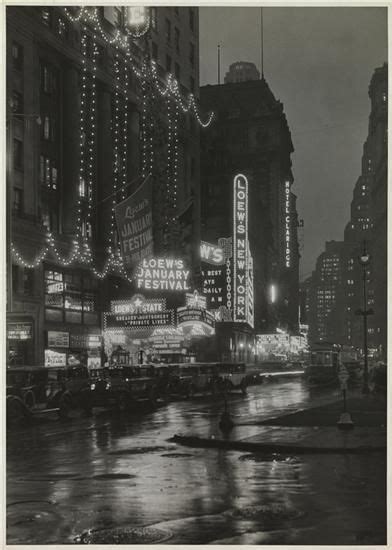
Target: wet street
[117, 479]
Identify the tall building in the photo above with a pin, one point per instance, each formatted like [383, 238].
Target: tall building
[97, 98]
[242, 71]
[326, 295]
[367, 228]
[250, 136]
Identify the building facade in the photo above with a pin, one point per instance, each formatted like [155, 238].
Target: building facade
[250, 136]
[84, 86]
[335, 312]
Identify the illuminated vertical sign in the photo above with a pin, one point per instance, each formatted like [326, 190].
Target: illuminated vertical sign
[240, 248]
[287, 224]
[250, 292]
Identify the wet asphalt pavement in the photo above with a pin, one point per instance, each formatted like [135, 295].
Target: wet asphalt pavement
[118, 480]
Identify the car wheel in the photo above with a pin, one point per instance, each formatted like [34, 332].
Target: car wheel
[17, 413]
[243, 387]
[29, 400]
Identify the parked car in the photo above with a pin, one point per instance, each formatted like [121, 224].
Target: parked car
[39, 389]
[125, 385]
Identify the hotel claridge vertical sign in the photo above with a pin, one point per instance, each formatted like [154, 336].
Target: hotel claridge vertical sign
[240, 247]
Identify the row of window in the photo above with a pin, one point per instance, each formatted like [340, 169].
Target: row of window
[169, 66]
[154, 20]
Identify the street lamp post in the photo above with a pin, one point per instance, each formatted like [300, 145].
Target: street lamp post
[364, 261]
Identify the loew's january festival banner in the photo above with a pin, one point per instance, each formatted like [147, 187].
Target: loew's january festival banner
[134, 225]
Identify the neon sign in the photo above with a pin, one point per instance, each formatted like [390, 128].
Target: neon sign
[137, 304]
[162, 274]
[240, 248]
[287, 224]
[196, 300]
[211, 254]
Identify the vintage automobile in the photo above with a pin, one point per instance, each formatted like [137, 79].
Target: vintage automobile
[123, 386]
[33, 390]
[189, 378]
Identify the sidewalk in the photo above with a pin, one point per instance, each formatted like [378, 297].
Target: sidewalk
[312, 430]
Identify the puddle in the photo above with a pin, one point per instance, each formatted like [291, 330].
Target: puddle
[271, 513]
[51, 477]
[140, 450]
[124, 535]
[112, 476]
[177, 455]
[275, 457]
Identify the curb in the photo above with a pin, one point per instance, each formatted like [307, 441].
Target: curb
[192, 441]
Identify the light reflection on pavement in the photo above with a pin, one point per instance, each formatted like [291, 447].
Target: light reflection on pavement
[109, 472]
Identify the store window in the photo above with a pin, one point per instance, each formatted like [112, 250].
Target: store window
[48, 128]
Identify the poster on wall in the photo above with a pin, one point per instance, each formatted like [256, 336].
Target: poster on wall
[55, 358]
[134, 225]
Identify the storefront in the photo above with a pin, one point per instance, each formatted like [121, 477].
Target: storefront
[150, 331]
[72, 348]
[20, 341]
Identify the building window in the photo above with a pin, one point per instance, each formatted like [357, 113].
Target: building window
[17, 102]
[28, 281]
[46, 16]
[70, 297]
[154, 19]
[17, 205]
[17, 56]
[168, 30]
[192, 84]
[48, 127]
[48, 79]
[154, 51]
[18, 154]
[177, 39]
[168, 63]
[48, 174]
[15, 278]
[192, 53]
[191, 19]
[177, 71]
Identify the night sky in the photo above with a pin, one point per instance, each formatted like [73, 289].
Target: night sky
[318, 62]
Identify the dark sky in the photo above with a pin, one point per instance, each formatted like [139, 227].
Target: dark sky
[318, 61]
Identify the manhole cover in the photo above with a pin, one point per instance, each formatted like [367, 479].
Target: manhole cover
[124, 535]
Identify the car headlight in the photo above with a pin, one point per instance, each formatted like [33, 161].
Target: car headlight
[108, 385]
[92, 386]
